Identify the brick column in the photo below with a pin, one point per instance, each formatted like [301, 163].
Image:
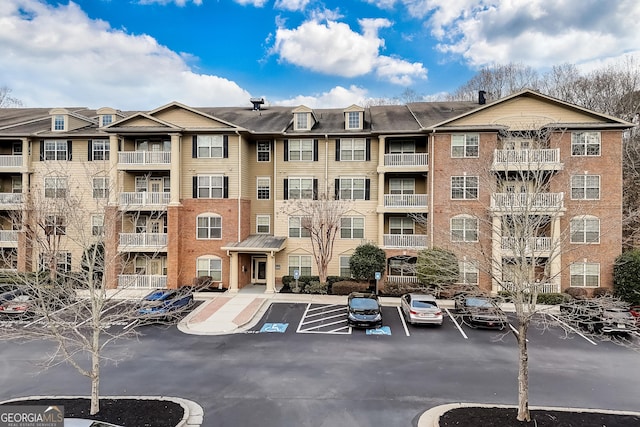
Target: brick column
[175, 271]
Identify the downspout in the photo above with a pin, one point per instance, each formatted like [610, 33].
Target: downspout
[431, 184]
[326, 165]
[239, 186]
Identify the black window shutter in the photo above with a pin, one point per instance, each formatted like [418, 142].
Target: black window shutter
[286, 150]
[368, 149]
[367, 189]
[286, 189]
[194, 146]
[225, 189]
[90, 152]
[42, 150]
[225, 146]
[69, 145]
[315, 150]
[315, 188]
[195, 187]
[337, 189]
[337, 150]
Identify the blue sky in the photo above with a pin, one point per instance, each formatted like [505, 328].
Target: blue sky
[141, 54]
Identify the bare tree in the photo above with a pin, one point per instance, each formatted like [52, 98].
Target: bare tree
[497, 81]
[6, 100]
[321, 218]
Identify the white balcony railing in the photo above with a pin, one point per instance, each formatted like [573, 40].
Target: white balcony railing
[139, 281]
[527, 246]
[143, 240]
[144, 158]
[10, 198]
[406, 159]
[405, 200]
[8, 237]
[405, 240]
[9, 161]
[525, 201]
[144, 199]
[541, 288]
[401, 279]
[529, 158]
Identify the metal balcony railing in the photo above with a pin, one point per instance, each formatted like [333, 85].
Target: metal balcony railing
[10, 161]
[10, 198]
[144, 199]
[143, 240]
[541, 288]
[526, 201]
[144, 158]
[405, 200]
[527, 246]
[140, 281]
[527, 157]
[406, 159]
[405, 240]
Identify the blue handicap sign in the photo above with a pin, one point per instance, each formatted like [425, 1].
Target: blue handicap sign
[383, 330]
[274, 327]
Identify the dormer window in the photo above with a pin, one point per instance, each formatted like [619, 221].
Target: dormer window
[106, 119]
[58, 122]
[353, 120]
[302, 121]
[303, 118]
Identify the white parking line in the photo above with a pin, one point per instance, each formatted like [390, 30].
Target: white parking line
[404, 323]
[456, 323]
[314, 315]
[572, 328]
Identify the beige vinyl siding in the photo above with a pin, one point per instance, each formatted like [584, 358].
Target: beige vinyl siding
[141, 122]
[187, 119]
[247, 163]
[76, 123]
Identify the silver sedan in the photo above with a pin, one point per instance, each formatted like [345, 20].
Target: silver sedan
[421, 309]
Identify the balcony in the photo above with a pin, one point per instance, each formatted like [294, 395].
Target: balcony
[402, 279]
[541, 288]
[8, 239]
[405, 240]
[533, 246]
[525, 202]
[11, 201]
[141, 160]
[410, 162]
[527, 160]
[10, 163]
[405, 202]
[140, 281]
[144, 200]
[139, 242]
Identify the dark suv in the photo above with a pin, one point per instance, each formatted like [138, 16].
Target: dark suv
[481, 312]
[597, 317]
[364, 310]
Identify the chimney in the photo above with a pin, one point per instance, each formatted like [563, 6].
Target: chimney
[257, 102]
[481, 97]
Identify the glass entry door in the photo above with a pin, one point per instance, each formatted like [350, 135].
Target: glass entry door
[259, 270]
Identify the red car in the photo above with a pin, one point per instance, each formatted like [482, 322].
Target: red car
[635, 312]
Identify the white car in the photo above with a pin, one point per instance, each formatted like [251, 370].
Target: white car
[421, 309]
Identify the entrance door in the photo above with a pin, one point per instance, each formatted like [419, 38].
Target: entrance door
[259, 270]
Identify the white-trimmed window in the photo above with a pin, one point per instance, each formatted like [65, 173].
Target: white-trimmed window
[106, 119]
[263, 224]
[100, 149]
[402, 186]
[468, 272]
[100, 187]
[264, 151]
[345, 266]
[263, 184]
[295, 227]
[97, 225]
[300, 188]
[16, 184]
[585, 187]
[464, 228]
[352, 188]
[210, 186]
[585, 274]
[209, 226]
[585, 229]
[210, 146]
[56, 150]
[55, 187]
[465, 145]
[209, 265]
[59, 122]
[300, 149]
[302, 121]
[352, 227]
[401, 225]
[302, 263]
[353, 149]
[55, 225]
[585, 143]
[464, 187]
[62, 260]
[353, 120]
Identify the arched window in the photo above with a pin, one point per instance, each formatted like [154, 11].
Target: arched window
[209, 226]
[209, 265]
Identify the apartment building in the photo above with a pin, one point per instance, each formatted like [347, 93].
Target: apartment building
[180, 192]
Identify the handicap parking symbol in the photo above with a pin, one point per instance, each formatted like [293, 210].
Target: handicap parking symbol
[383, 330]
[274, 327]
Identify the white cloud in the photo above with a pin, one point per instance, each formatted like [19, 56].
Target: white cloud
[336, 97]
[383, 4]
[256, 3]
[86, 61]
[334, 49]
[291, 5]
[180, 3]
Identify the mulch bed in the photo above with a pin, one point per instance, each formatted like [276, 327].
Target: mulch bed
[123, 412]
[506, 417]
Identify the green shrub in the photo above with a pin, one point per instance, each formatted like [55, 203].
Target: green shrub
[316, 287]
[602, 292]
[287, 280]
[395, 289]
[367, 259]
[626, 276]
[552, 298]
[345, 287]
[579, 293]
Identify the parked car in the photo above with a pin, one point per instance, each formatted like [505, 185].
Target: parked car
[635, 312]
[17, 303]
[163, 303]
[481, 312]
[420, 309]
[29, 301]
[364, 310]
[596, 317]
[83, 422]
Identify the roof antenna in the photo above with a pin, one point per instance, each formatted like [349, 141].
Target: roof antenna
[257, 102]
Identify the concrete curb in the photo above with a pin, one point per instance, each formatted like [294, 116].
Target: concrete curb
[193, 412]
[431, 417]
